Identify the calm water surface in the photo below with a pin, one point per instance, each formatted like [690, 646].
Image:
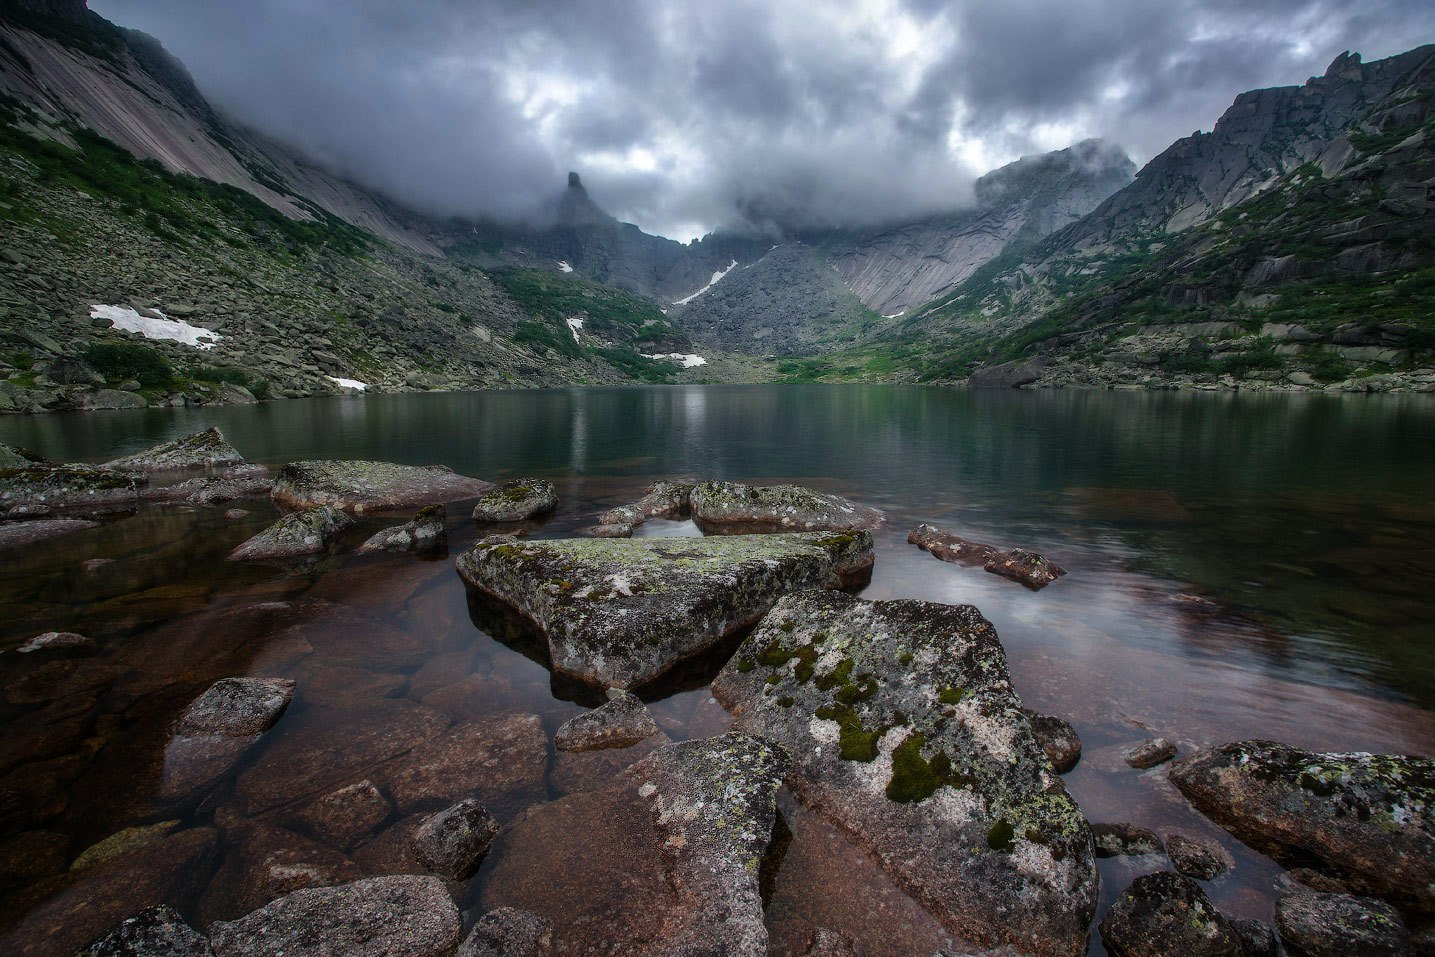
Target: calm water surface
[1305, 524]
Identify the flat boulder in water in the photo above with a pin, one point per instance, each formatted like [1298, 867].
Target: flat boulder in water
[295, 536]
[1017, 564]
[361, 486]
[377, 917]
[1368, 818]
[204, 449]
[15, 534]
[622, 612]
[729, 508]
[69, 486]
[905, 732]
[516, 501]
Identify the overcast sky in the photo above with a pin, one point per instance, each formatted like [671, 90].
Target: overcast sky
[684, 115]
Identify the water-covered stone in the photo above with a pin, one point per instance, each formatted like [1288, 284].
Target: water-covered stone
[1203, 860]
[264, 862]
[69, 486]
[157, 931]
[1058, 739]
[359, 487]
[622, 612]
[669, 858]
[376, 917]
[238, 707]
[15, 534]
[452, 842]
[203, 449]
[240, 481]
[1149, 753]
[622, 722]
[509, 932]
[347, 815]
[905, 731]
[58, 641]
[830, 943]
[1165, 914]
[1369, 818]
[515, 501]
[1120, 839]
[1339, 925]
[425, 534]
[1018, 564]
[295, 536]
[730, 508]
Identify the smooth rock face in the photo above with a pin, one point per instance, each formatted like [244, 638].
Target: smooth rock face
[1365, 817]
[452, 842]
[359, 487]
[731, 508]
[1150, 753]
[379, 917]
[69, 486]
[905, 732]
[621, 723]
[509, 932]
[238, 707]
[1058, 739]
[1018, 564]
[670, 857]
[299, 535]
[154, 932]
[622, 612]
[425, 534]
[1338, 925]
[1203, 860]
[1165, 914]
[516, 501]
[203, 449]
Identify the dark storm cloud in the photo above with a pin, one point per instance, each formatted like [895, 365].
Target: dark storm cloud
[684, 115]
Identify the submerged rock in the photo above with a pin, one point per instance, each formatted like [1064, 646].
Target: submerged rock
[377, 917]
[509, 932]
[622, 612]
[204, 449]
[69, 486]
[1150, 753]
[425, 534]
[238, 707]
[732, 508]
[662, 500]
[359, 486]
[1058, 739]
[905, 732]
[240, 481]
[346, 816]
[295, 536]
[1339, 925]
[516, 500]
[1018, 564]
[14, 534]
[1203, 860]
[621, 723]
[452, 842]
[154, 932]
[830, 943]
[1165, 914]
[669, 858]
[1365, 817]
[59, 641]
[1125, 840]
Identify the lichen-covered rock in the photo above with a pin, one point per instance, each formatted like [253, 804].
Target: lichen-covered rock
[359, 487]
[156, 931]
[295, 536]
[237, 707]
[666, 500]
[1339, 925]
[204, 449]
[621, 723]
[905, 731]
[1203, 860]
[1370, 818]
[69, 486]
[1257, 937]
[729, 508]
[1120, 839]
[1150, 753]
[508, 932]
[425, 534]
[452, 842]
[1018, 564]
[58, 641]
[1165, 914]
[622, 612]
[239, 481]
[1058, 739]
[515, 501]
[669, 859]
[376, 917]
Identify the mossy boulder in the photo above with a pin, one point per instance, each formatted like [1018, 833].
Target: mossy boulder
[13, 457]
[298, 535]
[516, 501]
[732, 508]
[359, 487]
[622, 612]
[1367, 818]
[69, 486]
[204, 449]
[905, 731]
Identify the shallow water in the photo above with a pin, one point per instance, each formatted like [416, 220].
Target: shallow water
[1306, 523]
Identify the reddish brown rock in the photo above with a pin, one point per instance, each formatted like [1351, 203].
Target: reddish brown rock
[345, 816]
[265, 862]
[502, 760]
[1018, 564]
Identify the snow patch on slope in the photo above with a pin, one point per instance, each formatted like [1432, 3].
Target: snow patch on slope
[711, 282]
[574, 324]
[347, 383]
[163, 327]
[686, 360]
[563, 266]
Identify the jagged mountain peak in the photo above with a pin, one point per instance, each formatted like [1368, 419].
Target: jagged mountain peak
[1091, 159]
